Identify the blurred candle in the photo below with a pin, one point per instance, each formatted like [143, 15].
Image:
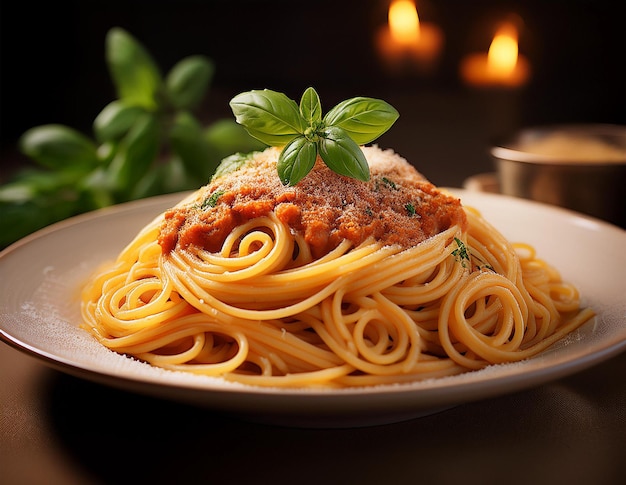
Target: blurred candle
[406, 43]
[501, 66]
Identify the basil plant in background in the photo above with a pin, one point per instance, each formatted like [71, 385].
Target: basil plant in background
[146, 142]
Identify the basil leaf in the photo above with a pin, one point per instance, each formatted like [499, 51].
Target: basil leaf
[59, 147]
[342, 155]
[311, 107]
[188, 142]
[296, 160]
[188, 81]
[268, 116]
[115, 120]
[232, 163]
[226, 137]
[135, 74]
[19, 220]
[96, 189]
[363, 119]
[32, 183]
[136, 152]
[176, 177]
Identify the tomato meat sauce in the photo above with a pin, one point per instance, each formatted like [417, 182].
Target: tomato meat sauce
[397, 206]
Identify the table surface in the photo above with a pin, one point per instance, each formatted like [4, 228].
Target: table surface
[60, 429]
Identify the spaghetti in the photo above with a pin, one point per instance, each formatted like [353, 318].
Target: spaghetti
[336, 283]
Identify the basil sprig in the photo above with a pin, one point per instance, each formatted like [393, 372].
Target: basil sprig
[276, 120]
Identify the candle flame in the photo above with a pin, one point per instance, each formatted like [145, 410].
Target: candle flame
[404, 22]
[503, 52]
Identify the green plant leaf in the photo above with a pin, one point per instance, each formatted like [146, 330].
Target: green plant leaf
[268, 116]
[311, 107]
[59, 147]
[106, 152]
[188, 81]
[96, 189]
[232, 163]
[35, 199]
[342, 155]
[19, 220]
[226, 137]
[363, 119]
[136, 152]
[164, 178]
[188, 141]
[152, 183]
[296, 160]
[136, 77]
[30, 183]
[115, 119]
[177, 178]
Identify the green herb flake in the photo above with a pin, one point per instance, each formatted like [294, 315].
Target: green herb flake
[483, 265]
[461, 254]
[410, 208]
[212, 200]
[369, 212]
[390, 183]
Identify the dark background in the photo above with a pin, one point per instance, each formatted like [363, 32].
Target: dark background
[52, 66]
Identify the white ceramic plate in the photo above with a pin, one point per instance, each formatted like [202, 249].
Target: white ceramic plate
[39, 314]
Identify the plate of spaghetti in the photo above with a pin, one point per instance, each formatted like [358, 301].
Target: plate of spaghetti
[336, 300]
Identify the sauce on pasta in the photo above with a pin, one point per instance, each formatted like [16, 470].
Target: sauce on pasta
[397, 206]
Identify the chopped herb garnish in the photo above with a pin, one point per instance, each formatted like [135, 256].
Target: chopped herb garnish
[276, 120]
[212, 200]
[410, 208]
[390, 183]
[461, 253]
[368, 211]
[483, 264]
